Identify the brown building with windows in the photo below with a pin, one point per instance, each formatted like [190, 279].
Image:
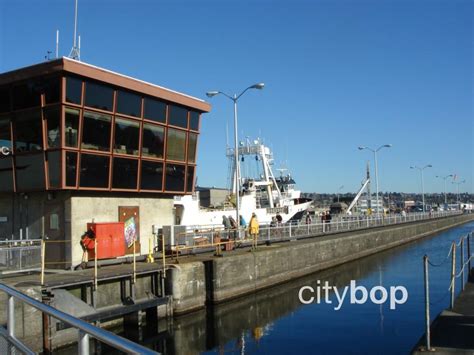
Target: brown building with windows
[90, 144]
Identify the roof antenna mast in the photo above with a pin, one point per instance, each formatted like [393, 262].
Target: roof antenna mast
[57, 44]
[75, 51]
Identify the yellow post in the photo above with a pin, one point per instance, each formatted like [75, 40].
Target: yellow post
[95, 264]
[163, 253]
[150, 258]
[43, 257]
[134, 264]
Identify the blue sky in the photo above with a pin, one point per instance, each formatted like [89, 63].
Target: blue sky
[338, 74]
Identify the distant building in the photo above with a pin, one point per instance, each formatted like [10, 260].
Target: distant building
[212, 196]
[90, 144]
[362, 205]
[408, 204]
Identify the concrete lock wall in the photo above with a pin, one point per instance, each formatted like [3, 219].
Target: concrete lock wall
[187, 284]
[85, 209]
[236, 275]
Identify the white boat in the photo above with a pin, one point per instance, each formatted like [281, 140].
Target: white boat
[265, 196]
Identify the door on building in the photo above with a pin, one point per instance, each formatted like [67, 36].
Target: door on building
[54, 231]
[130, 216]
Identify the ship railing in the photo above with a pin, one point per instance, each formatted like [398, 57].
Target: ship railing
[11, 344]
[201, 239]
[19, 255]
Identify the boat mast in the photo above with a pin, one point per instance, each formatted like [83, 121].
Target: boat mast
[266, 169]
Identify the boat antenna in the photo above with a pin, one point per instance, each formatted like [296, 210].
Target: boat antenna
[75, 51]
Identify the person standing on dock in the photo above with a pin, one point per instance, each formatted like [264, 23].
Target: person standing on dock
[243, 226]
[254, 229]
[226, 224]
[234, 227]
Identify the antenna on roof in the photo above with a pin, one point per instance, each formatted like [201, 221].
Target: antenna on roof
[57, 44]
[75, 51]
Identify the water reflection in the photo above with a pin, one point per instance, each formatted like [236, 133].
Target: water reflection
[227, 326]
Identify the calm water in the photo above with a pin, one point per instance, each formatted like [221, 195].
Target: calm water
[275, 322]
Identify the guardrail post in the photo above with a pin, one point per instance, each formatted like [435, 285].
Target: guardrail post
[164, 266]
[427, 304]
[83, 343]
[462, 263]
[11, 316]
[453, 272]
[95, 264]
[134, 262]
[290, 229]
[43, 258]
[469, 253]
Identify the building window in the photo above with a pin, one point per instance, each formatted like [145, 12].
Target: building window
[53, 221]
[5, 135]
[4, 100]
[52, 90]
[152, 175]
[178, 116]
[52, 116]
[175, 145]
[54, 168]
[127, 134]
[94, 171]
[174, 179]
[30, 172]
[129, 104]
[153, 140]
[6, 174]
[99, 96]
[71, 169]
[28, 131]
[73, 90]
[71, 127]
[192, 143]
[26, 95]
[96, 131]
[194, 120]
[154, 110]
[125, 174]
[190, 179]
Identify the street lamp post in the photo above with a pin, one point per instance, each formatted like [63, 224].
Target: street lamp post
[235, 98]
[457, 189]
[340, 188]
[422, 182]
[376, 169]
[444, 178]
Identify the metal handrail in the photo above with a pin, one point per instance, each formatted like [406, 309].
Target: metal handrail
[285, 232]
[454, 276]
[85, 329]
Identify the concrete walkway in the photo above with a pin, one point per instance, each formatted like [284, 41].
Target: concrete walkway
[452, 332]
[55, 278]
